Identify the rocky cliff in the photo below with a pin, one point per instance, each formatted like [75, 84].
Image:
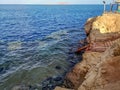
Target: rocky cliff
[100, 67]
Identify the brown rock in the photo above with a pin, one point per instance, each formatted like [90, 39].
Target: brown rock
[107, 23]
[101, 46]
[103, 31]
[88, 25]
[103, 28]
[100, 67]
[105, 75]
[96, 36]
[77, 74]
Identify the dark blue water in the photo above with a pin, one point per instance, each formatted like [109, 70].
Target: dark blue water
[36, 41]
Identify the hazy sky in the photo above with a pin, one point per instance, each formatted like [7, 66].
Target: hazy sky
[53, 1]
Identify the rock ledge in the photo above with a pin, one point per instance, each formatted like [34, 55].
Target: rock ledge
[100, 67]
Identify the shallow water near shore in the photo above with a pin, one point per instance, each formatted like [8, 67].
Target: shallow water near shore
[37, 43]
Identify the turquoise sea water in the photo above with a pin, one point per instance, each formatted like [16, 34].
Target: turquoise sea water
[37, 41]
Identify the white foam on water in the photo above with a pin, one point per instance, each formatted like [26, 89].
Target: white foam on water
[14, 45]
[54, 38]
[45, 45]
[57, 35]
[42, 44]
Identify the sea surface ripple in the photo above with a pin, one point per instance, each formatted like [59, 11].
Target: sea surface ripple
[36, 41]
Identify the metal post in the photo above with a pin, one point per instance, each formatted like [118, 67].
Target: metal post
[111, 7]
[104, 6]
[117, 7]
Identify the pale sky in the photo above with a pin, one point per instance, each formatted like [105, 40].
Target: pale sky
[53, 1]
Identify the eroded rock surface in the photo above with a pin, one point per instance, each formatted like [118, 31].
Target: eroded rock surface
[77, 74]
[107, 23]
[100, 67]
[105, 75]
[102, 31]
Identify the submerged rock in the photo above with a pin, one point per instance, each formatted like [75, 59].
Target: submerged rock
[60, 88]
[57, 67]
[24, 87]
[21, 87]
[51, 82]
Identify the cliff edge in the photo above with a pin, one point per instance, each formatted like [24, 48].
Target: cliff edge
[100, 67]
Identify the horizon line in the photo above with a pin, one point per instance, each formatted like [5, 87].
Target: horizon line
[51, 4]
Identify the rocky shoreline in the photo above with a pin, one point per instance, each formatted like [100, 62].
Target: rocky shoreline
[100, 66]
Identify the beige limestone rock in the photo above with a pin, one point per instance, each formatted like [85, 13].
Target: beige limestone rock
[99, 70]
[96, 70]
[106, 74]
[106, 23]
[103, 28]
[77, 75]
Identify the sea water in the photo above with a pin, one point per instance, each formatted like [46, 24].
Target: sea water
[38, 41]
